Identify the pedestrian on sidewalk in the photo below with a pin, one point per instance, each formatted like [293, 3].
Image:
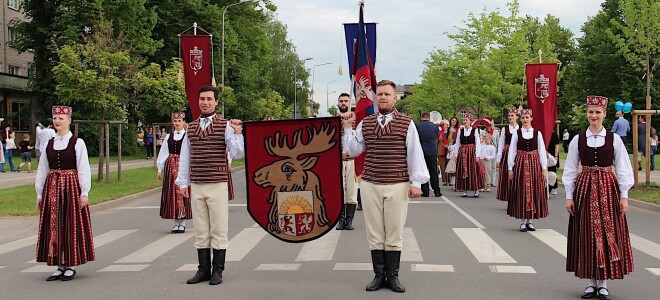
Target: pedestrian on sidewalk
[26, 153]
[553, 150]
[349, 181]
[204, 167]
[654, 147]
[8, 143]
[45, 132]
[173, 205]
[597, 201]
[528, 171]
[394, 170]
[149, 142]
[428, 137]
[504, 185]
[487, 155]
[63, 182]
[621, 126]
[566, 139]
[469, 170]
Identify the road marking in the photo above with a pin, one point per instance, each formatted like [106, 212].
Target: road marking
[241, 244]
[410, 251]
[40, 269]
[427, 202]
[187, 268]
[123, 268]
[484, 248]
[462, 212]
[551, 238]
[431, 268]
[237, 204]
[103, 239]
[320, 249]
[1, 267]
[15, 245]
[278, 267]
[255, 225]
[353, 267]
[139, 207]
[654, 271]
[512, 269]
[645, 245]
[152, 251]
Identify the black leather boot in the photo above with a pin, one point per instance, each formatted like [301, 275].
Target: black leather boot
[350, 212]
[342, 219]
[204, 268]
[378, 261]
[218, 266]
[359, 201]
[392, 260]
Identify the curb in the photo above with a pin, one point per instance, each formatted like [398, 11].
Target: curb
[644, 205]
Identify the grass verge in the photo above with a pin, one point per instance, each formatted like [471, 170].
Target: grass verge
[647, 194]
[20, 201]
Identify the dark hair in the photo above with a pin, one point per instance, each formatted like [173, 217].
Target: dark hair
[386, 82]
[343, 95]
[458, 124]
[209, 88]
[47, 122]
[426, 115]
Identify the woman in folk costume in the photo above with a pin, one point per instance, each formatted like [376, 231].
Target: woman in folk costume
[62, 184]
[172, 204]
[528, 169]
[503, 183]
[597, 200]
[469, 171]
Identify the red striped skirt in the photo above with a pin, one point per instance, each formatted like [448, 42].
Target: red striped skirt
[598, 238]
[65, 231]
[469, 170]
[503, 184]
[173, 205]
[528, 198]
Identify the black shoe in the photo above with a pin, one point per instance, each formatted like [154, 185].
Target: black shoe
[175, 229]
[464, 195]
[342, 220]
[56, 277]
[530, 227]
[218, 266]
[475, 195]
[378, 261]
[589, 295]
[350, 213]
[438, 194]
[425, 195]
[182, 229]
[204, 268]
[392, 261]
[67, 278]
[603, 297]
[523, 228]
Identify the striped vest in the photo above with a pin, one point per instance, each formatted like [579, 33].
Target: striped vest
[385, 161]
[208, 152]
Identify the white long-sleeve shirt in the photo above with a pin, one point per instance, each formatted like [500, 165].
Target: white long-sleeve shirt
[540, 144]
[467, 131]
[487, 151]
[354, 145]
[233, 141]
[502, 142]
[165, 150]
[44, 135]
[82, 165]
[622, 166]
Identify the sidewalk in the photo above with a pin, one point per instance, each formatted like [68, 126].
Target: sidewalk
[9, 179]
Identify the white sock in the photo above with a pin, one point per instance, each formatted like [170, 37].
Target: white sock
[69, 271]
[603, 284]
[529, 221]
[176, 222]
[522, 221]
[476, 192]
[182, 222]
[58, 272]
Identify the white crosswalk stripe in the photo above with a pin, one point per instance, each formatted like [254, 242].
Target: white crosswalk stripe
[645, 245]
[482, 246]
[321, 249]
[410, 251]
[15, 245]
[553, 239]
[103, 239]
[154, 250]
[241, 244]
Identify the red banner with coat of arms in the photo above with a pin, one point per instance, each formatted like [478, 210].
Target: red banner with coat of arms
[542, 97]
[197, 59]
[293, 176]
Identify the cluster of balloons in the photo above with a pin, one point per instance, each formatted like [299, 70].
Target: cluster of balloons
[624, 107]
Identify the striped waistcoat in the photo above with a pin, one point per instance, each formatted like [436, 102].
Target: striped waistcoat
[208, 152]
[386, 161]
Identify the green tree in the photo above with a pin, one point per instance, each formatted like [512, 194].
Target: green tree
[333, 110]
[158, 93]
[272, 106]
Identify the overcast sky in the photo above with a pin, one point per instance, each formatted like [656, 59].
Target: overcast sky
[408, 30]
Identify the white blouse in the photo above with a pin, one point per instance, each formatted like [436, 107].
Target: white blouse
[540, 144]
[354, 145]
[622, 167]
[165, 150]
[467, 131]
[500, 147]
[82, 165]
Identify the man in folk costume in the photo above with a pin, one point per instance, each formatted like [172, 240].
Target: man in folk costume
[598, 246]
[394, 171]
[348, 172]
[503, 183]
[204, 167]
[527, 163]
[469, 170]
[173, 205]
[63, 182]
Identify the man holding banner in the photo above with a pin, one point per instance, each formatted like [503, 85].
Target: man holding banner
[350, 181]
[394, 170]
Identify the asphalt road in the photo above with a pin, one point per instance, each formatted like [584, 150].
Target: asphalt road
[455, 248]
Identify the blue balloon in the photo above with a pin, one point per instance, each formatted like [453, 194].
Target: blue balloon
[618, 105]
[627, 107]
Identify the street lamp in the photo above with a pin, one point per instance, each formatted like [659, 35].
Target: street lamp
[223, 46]
[295, 86]
[327, 95]
[313, 70]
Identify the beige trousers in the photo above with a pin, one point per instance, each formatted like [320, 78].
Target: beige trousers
[385, 211]
[350, 184]
[487, 171]
[210, 214]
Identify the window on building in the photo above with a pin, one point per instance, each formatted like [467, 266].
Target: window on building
[11, 34]
[463, 113]
[14, 70]
[20, 116]
[14, 4]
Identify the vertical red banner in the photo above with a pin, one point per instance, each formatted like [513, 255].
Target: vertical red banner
[542, 97]
[197, 60]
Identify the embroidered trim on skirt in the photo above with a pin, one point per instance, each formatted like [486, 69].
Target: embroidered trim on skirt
[529, 198]
[173, 205]
[469, 170]
[598, 239]
[503, 183]
[65, 231]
